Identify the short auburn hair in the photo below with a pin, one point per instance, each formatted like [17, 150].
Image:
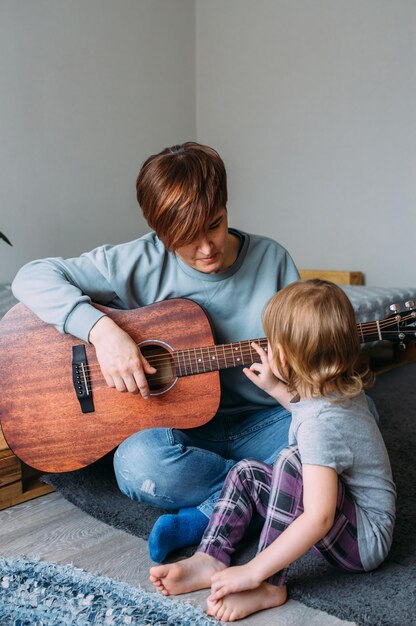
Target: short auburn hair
[314, 322]
[180, 190]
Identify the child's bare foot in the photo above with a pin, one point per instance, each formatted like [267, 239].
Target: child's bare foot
[185, 576]
[238, 605]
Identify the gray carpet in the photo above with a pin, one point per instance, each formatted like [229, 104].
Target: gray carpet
[37, 593]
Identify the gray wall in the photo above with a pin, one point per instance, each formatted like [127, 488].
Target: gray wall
[88, 90]
[310, 102]
[313, 105]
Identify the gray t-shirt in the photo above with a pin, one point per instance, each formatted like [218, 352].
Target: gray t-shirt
[142, 272]
[345, 436]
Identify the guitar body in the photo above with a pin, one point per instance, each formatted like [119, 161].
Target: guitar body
[40, 412]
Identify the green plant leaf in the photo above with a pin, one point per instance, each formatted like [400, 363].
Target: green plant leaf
[5, 239]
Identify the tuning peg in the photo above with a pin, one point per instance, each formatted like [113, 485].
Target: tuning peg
[394, 308]
[410, 304]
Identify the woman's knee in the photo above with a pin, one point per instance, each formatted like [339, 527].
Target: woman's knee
[139, 464]
[140, 452]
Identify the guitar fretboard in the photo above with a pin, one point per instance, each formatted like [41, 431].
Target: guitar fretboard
[224, 356]
[217, 357]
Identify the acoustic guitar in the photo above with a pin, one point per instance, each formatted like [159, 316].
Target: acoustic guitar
[58, 414]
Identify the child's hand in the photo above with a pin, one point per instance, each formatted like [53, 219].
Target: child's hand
[260, 373]
[231, 580]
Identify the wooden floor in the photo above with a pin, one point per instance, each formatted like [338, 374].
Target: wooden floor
[52, 529]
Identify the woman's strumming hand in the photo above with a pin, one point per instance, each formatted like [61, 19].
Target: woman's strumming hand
[121, 362]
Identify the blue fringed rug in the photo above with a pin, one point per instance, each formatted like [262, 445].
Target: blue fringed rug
[36, 593]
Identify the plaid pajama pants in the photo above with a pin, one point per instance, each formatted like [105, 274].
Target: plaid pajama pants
[276, 494]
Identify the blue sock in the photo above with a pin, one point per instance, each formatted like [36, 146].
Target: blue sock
[172, 532]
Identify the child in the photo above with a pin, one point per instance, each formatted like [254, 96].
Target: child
[331, 490]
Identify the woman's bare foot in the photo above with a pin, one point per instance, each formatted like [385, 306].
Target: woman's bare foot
[235, 606]
[185, 576]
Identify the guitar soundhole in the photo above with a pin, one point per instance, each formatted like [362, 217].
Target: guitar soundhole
[160, 357]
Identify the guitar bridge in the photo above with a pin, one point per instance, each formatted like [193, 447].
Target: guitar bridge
[80, 379]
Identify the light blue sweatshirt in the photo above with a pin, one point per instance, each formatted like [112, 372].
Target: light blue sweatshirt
[142, 272]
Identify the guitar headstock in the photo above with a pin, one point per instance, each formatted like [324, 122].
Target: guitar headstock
[399, 327]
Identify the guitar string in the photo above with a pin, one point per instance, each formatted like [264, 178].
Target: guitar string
[96, 376]
[156, 377]
[190, 361]
[246, 350]
[191, 367]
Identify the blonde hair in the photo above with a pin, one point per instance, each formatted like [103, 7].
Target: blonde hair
[315, 324]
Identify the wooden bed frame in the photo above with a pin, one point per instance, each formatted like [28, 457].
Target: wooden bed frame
[335, 276]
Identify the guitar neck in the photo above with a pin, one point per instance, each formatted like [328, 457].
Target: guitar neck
[241, 353]
[371, 331]
[397, 328]
[217, 357]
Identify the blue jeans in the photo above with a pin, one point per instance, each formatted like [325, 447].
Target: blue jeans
[171, 468]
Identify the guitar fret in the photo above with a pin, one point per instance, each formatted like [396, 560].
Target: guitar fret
[208, 360]
[177, 364]
[240, 358]
[225, 356]
[184, 363]
[203, 360]
[232, 354]
[216, 357]
[196, 361]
